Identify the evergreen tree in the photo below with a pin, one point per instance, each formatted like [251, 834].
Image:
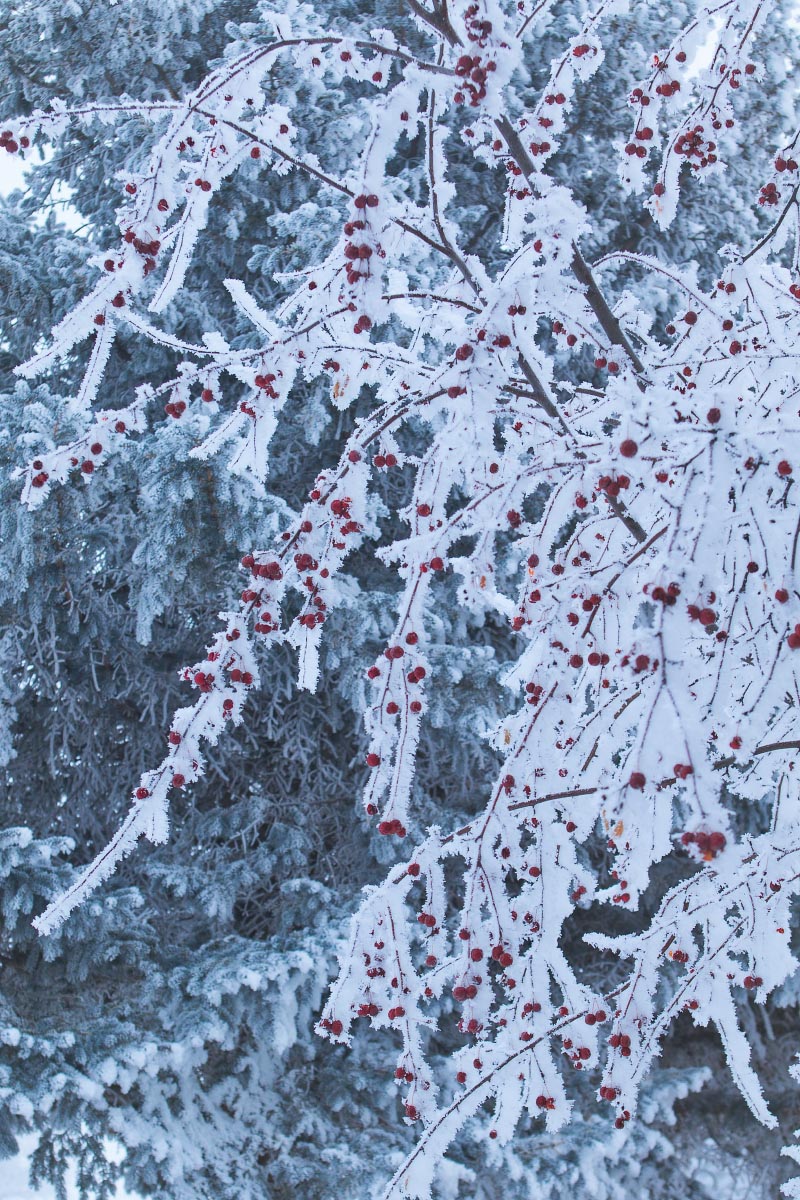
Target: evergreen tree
[206, 375]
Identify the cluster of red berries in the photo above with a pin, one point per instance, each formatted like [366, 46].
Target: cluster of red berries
[9, 143]
[175, 409]
[464, 992]
[708, 844]
[733, 76]
[41, 477]
[578, 1054]
[706, 616]
[394, 827]
[87, 466]
[601, 362]
[537, 148]
[793, 640]
[204, 680]
[500, 955]
[502, 341]
[621, 1042]
[477, 30]
[264, 383]
[237, 675]
[546, 1102]
[469, 69]
[358, 254]
[355, 254]
[696, 148]
[644, 134]
[769, 194]
[335, 1027]
[667, 596]
[269, 570]
[752, 981]
[641, 663]
[558, 326]
[146, 249]
[668, 88]
[612, 487]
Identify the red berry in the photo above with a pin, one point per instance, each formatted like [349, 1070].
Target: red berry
[637, 780]
[628, 449]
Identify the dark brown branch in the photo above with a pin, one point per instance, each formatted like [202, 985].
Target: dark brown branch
[719, 765]
[580, 268]
[631, 524]
[437, 20]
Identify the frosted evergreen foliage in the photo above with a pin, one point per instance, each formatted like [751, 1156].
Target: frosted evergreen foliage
[527, 479]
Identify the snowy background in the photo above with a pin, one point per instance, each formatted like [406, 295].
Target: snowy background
[14, 1171]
